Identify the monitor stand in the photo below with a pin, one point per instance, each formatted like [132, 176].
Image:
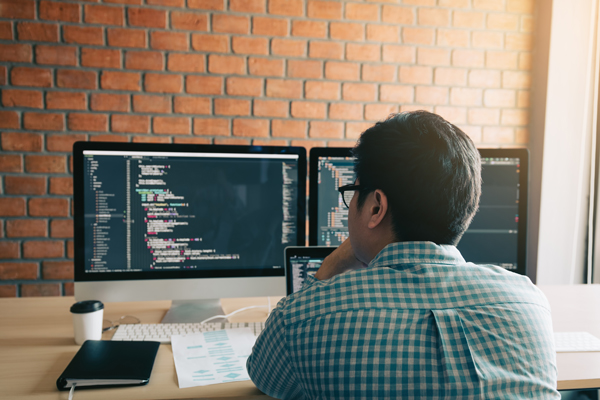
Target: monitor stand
[193, 311]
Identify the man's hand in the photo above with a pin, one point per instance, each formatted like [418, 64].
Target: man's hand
[339, 261]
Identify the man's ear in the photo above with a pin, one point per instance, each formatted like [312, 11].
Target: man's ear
[378, 209]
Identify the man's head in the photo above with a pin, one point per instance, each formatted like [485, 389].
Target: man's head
[429, 172]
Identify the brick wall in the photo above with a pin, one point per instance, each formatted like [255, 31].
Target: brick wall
[291, 72]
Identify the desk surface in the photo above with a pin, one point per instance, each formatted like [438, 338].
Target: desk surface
[36, 344]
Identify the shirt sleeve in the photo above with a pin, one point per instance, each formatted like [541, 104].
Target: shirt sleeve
[269, 366]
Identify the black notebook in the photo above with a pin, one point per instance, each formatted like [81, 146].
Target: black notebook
[106, 363]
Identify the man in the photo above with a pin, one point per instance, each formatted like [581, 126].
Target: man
[395, 311]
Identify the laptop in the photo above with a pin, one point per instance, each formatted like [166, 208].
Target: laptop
[301, 262]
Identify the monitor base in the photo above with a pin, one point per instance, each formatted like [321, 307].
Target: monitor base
[192, 311]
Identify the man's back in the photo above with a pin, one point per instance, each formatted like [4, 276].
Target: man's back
[419, 322]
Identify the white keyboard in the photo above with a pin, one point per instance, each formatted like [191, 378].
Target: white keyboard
[162, 332]
[568, 342]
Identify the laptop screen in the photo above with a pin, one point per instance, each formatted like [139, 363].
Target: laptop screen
[302, 262]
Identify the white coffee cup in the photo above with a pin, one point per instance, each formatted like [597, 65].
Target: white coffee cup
[87, 320]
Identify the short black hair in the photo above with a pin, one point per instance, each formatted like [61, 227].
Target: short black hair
[428, 168]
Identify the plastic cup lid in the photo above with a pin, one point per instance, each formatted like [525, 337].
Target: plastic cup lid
[83, 307]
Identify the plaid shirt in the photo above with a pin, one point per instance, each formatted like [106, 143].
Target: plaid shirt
[419, 322]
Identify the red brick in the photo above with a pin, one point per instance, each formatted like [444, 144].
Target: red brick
[105, 138]
[9, 119]
[186, 62]
[6, 30]
[172, 125]
[211, 126]
[43, 122]
[191, 105]
[433, 16]
[397, 15]
[434, 56]
[244, 86]
[467, 58]
[88, 122]
[294, 8]
[65, 101]
[224, 23]
[63, 143]
[271, 108]
[484, 116]
[22, 98]
[484, 78]
[61, 186]
[206, 4]
[331, 50]
[379, 112]
[287, 89]
[189, 21]
[48, 207]
[450, 76]
[15, 52]
[69, 78]
[362, 12]
[26, 228]
[251, 127]
[151, 139]
[104, 15]
[10, 271]
[468, 19]
[226, 64]
[83, 35]
[147, 17]
[269, 142]
[322, 90]
[210, 43]
[17, 9]
[130, 123]
[10, 163]
[169, 40]
[204, 84]
[43, 249]
[232, 107]
[323, 129]
[121, 37]
[192, 140]
[232, 141]
[363, 52]
[359, 92]
[56, 11]
[56, 55]
[3, 75]
[144, 60]
[305, 69]
[379, 73]
[247, 6]
[24, 185]
[161, 83]
[383, 33]
[13, 207]
[314, 29]
[58, 270]
[431, 95]
[412, 35]
[70, 249]
[398, 54]
[100, 58]
[288, 128]
[503, 22]
[500, 98]
[8, 290]
[151, 104]
[37, 32]
[455, 115]
[120, 81]
[9, 250]
[20, 141]
[325, 10]
[130, 2]
[40, 289]
[250, 45]
[415, 74]
[288, 47]
[270, 26]
[46, 164]
[343, 71]
[501, 59]
[265, 66]
[308, 144]
[355, 129]
[308, 109]
[109, 102]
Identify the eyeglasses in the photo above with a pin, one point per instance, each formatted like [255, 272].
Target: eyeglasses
[108, 325]
[346, 193]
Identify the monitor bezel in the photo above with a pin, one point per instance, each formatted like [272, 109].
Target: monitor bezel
[78, 195]
[521, 153]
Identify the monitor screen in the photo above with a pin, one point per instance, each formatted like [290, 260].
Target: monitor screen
[497, 234]
[152, 212]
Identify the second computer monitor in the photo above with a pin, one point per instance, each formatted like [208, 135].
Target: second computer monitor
[497, 234]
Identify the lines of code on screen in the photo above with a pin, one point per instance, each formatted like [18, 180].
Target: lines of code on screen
[159, 213]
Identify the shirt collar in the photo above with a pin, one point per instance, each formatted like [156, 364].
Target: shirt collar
[403, 253]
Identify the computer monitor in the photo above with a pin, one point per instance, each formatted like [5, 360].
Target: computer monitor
[185, 222]
[497, 235]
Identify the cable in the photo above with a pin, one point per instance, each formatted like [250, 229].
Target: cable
[72, 391]
[233, 313]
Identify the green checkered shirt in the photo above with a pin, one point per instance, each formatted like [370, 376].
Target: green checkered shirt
[419, 322]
